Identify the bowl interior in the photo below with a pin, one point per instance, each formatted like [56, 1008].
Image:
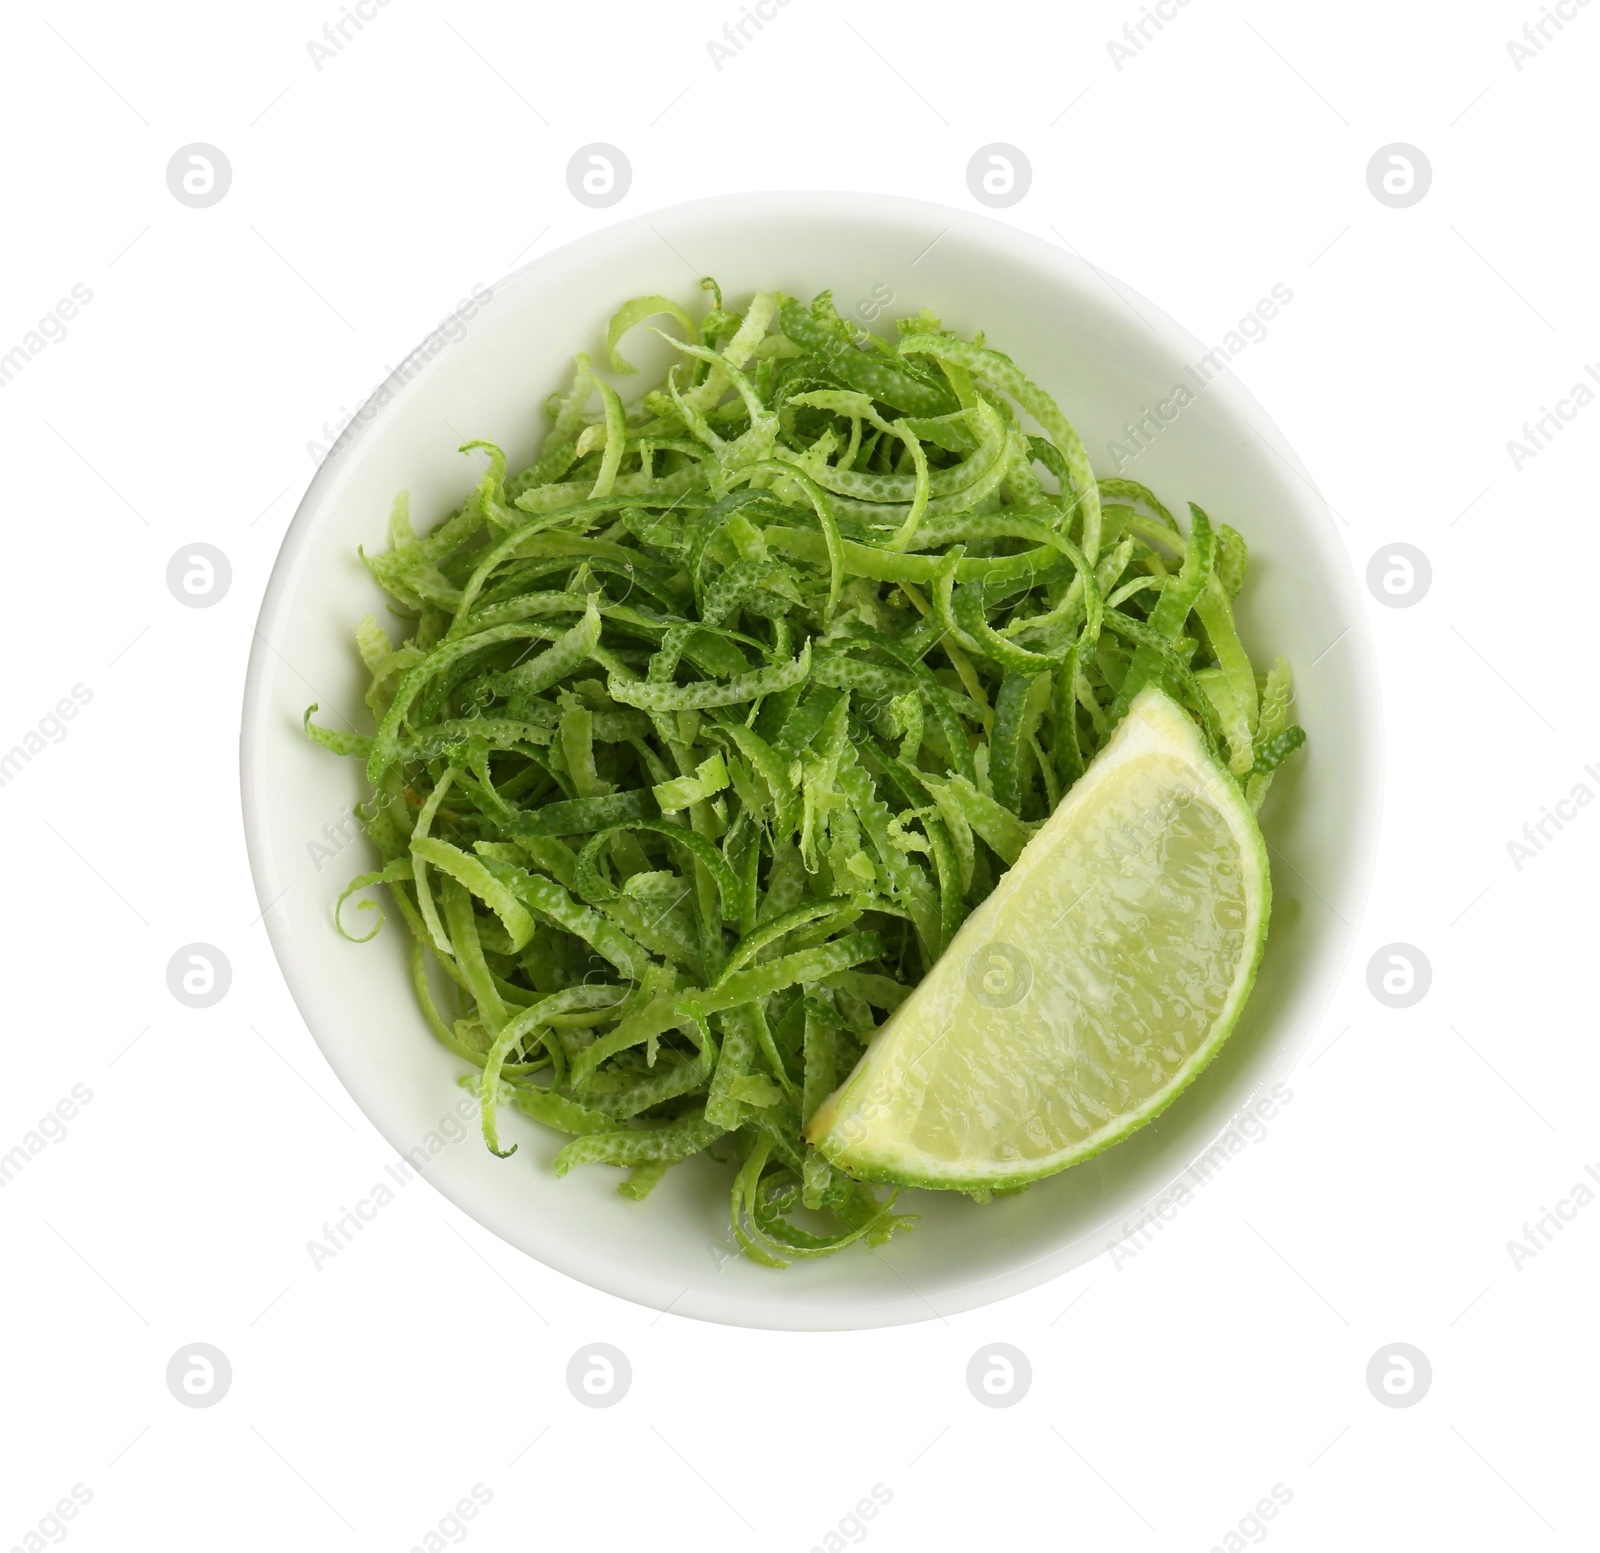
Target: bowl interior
[1106, 364]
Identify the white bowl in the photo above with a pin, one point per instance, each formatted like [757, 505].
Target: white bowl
[1105, 364]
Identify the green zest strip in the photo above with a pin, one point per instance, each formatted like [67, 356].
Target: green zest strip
[702, 734]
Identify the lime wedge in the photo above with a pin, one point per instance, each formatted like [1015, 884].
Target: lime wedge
[1074, 1004]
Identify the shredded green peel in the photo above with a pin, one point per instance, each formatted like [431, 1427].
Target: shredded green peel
[718, 720]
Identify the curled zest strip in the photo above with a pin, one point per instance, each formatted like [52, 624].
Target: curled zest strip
[709, 728]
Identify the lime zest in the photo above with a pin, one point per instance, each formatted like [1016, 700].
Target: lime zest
[718, 720]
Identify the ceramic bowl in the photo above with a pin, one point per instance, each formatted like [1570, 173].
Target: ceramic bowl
[1113, 361]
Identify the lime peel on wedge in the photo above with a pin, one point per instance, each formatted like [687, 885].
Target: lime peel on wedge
[1103, 973]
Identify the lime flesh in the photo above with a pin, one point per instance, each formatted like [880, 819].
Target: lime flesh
[1102, 974]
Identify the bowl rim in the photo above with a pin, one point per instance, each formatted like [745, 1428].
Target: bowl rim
[367, 1090]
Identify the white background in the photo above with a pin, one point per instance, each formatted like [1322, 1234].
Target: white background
[1171, 1390]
